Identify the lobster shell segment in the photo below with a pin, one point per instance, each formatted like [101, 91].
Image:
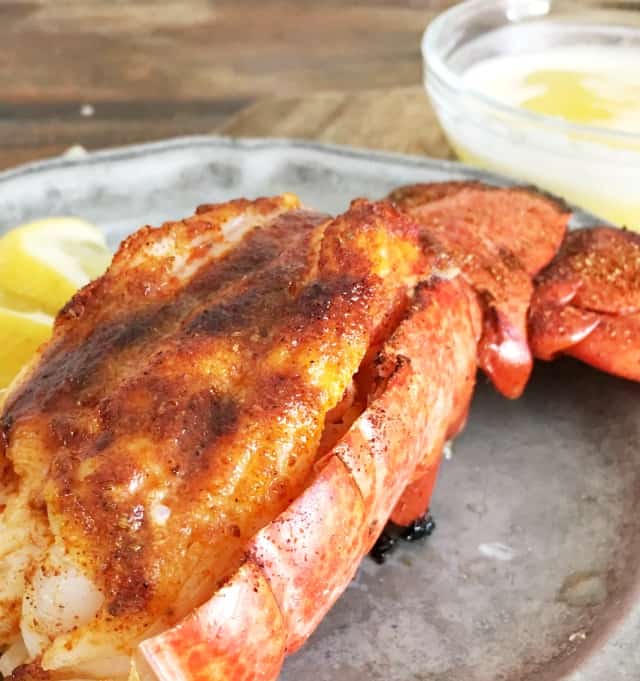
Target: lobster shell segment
[498, 239]
[587, 302]
[312, 550]
[238, 635]
[400, 436]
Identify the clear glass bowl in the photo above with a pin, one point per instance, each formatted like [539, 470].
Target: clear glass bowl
[593, 167]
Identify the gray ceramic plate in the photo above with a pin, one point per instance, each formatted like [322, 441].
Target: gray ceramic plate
[534, 570]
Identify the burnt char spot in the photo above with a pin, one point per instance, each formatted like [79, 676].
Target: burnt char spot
[29, 672]
[510, 259]
[65, 433]
[254, 255]
[207, 417]
[166, 410]
[67, 371]
[136, 328]
[62, 469]
[220, 319]
[218, 414]
[6, 423]
[278, 387]
[146, 402]
[103, 440]
[130, 590]
[317, 299]
[241, 312]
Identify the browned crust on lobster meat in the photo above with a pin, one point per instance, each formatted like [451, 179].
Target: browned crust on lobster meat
[587, 302]
[199, 376]
[498, 238]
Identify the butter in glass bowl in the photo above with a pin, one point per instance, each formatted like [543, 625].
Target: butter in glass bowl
[546, 92]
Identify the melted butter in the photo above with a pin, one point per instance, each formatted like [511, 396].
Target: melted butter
[580, 84]
[583, 97]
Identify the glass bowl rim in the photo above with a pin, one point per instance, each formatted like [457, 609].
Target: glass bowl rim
[434, 62]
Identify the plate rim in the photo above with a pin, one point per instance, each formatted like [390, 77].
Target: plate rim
[128, 151]
[245, 144]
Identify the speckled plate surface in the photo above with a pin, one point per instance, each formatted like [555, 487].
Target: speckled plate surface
[534, 570]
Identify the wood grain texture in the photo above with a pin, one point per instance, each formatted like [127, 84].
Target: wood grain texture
[153, 69]
[398, 119]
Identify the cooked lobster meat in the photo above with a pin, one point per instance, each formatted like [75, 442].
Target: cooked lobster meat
[225, 407]
[499, 239]
[587, 302]
[221, 425]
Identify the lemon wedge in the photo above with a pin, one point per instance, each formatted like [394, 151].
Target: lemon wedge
[42, 264]
[21, 333]
[47, 261]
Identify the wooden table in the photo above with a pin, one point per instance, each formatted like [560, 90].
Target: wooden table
[101, 74]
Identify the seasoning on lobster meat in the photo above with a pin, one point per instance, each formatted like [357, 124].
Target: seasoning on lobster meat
[587, 302]
[221, 425]
[499, 239]
[216, 434]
